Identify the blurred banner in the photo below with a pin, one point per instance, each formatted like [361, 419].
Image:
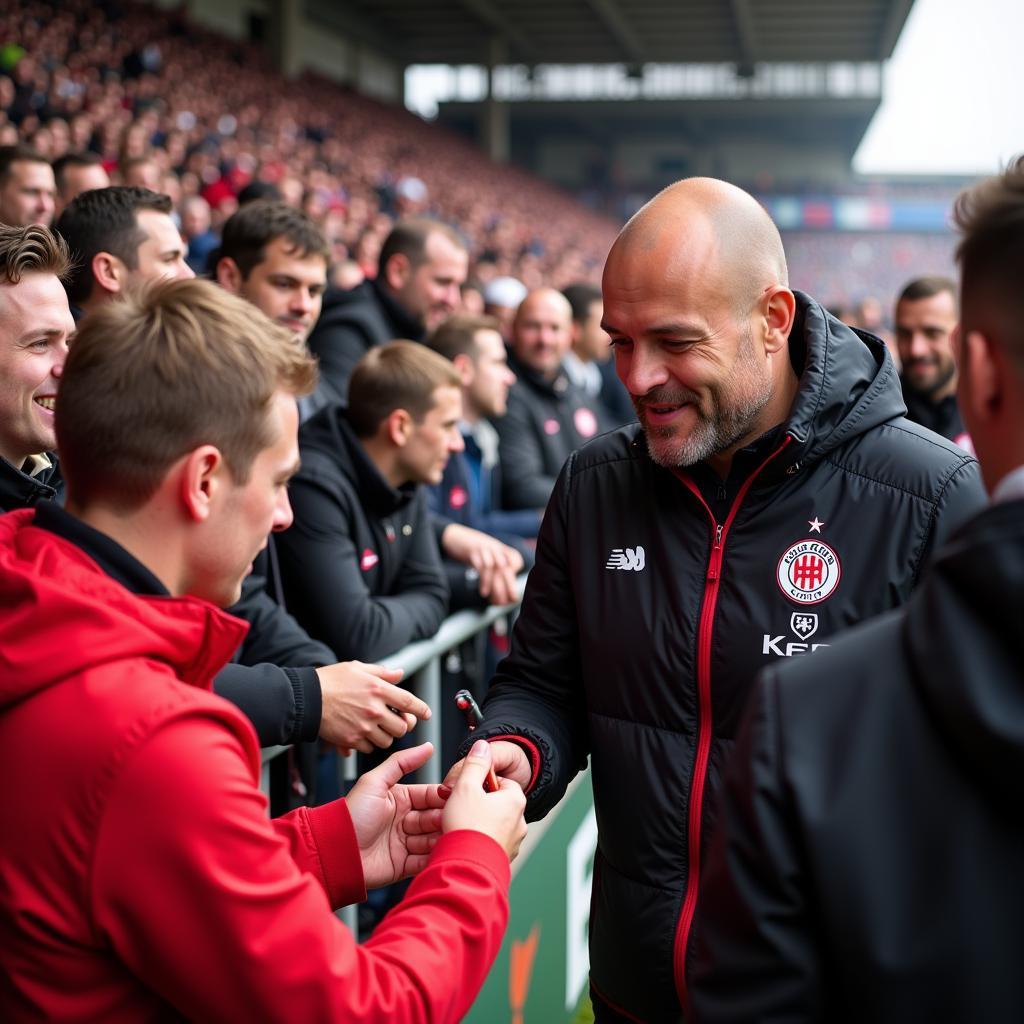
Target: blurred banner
[540, 976]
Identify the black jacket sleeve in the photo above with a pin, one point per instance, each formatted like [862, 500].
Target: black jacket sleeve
[756, 951]
[326, 589]
[274, 635]
[537, 693]
[283, 704]
[273, 678]
[524, 483]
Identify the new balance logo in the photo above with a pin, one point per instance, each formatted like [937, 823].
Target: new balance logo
[630, 559]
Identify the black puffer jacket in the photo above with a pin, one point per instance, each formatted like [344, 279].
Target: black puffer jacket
[360, 564]
[657, 597]
[350, 324]
[868, 864]
[545, 421]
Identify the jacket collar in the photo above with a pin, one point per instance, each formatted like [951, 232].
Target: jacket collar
[553, 388]
[406, 325]
[19, 489]
[84, 618]
[113, 559]
[848, 384]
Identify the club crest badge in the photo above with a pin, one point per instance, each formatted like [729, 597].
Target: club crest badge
[803, 624]
[808, 572]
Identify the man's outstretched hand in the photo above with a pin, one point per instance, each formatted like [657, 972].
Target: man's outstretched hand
[396, 825]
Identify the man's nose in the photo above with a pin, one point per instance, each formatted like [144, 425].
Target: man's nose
[918, 345]
[302, 301]
[283, 514]
[640, 369]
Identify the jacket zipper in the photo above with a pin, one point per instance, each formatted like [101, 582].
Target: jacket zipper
[700, 767]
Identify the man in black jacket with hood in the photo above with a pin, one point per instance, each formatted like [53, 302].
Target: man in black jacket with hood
[771, 496]
[868, 864]
[423, 263]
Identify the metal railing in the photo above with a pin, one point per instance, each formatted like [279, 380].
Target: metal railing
[421, 662]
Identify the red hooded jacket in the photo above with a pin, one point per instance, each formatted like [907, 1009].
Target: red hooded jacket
[140, 877]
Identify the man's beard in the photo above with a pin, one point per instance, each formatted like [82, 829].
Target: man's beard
[725, 418]
[944, 376]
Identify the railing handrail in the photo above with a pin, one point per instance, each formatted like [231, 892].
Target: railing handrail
[455, 630]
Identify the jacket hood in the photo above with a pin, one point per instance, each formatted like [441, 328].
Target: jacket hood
[964, 632]
[848, 383]
[51, 591]
[355, 302]
[329, 433]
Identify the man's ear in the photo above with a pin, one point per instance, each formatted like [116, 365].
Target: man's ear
[397, 271]
[778, 307]
[109, 272]
[398, 427]
[466, 368]
[980, 388]
[229, 277]
[201, 476]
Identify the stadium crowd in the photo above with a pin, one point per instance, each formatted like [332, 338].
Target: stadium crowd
[184, 113]
[165, 438]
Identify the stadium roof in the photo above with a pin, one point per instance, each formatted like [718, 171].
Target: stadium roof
[744, 32]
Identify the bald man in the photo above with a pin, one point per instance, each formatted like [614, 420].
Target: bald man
[548, 417]
[771, 495]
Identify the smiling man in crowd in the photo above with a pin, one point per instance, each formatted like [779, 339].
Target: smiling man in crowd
[926, 316]
[422, 266]
[35, 324]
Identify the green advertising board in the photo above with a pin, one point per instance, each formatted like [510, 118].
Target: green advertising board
[540, 976]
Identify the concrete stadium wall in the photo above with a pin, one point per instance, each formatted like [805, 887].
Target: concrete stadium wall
[317, 48]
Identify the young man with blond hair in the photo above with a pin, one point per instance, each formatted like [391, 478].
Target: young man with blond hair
[142, 878]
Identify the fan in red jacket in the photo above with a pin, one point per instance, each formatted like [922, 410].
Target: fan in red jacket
[140, 876]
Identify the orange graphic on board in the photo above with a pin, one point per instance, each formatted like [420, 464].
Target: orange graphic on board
[520, 971]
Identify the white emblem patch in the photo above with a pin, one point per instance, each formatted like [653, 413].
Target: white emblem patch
[629, 559]
[808, 571]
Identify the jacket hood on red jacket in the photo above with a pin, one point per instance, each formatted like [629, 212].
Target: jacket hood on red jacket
[63, 615]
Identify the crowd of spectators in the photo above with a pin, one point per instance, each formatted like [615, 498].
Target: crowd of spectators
[180, 110]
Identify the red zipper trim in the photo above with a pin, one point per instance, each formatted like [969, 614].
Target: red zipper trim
[700, 768]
